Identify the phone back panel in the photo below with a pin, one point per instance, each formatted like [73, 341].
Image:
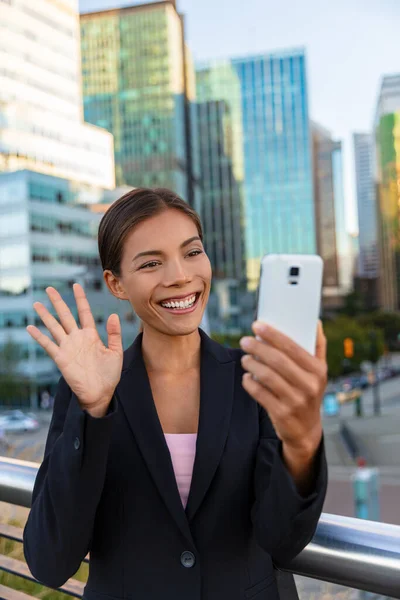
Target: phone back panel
[292, 308]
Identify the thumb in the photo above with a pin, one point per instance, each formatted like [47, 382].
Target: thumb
[114, 333]
[320, 348]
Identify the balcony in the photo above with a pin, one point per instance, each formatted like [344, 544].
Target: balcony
[359, 554]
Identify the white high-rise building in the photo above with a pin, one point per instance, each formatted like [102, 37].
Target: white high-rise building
[41, 111]
[366, 202]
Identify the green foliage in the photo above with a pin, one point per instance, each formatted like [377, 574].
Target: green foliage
[364, 347]
[231, 341]
[388, 322]
[353, 304]
[13, 386]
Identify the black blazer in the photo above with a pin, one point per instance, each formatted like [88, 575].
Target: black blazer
[106, 485]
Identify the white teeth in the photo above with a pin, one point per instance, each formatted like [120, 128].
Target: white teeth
[181, 304]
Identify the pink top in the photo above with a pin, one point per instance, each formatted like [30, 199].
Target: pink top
[182, 447]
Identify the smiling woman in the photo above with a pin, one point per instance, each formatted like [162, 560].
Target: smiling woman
[180, 473]
[150, 245]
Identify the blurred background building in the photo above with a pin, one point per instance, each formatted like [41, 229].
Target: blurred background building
[368, 268]
[48, 236]
[41, 111]
[333, 243]
[138, 83]
[387, 135]
[278, 182]
[219, 116]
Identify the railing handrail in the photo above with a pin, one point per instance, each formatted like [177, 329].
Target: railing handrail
[346, 551]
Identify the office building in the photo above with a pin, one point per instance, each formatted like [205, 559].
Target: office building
[48, 236]
[324, 195]
[366, 204]
[138, 83]
[344, 239]
[333, 243]
[219, 119]
[387, 135]
[278, 175]
[368, 264]
[41, 115]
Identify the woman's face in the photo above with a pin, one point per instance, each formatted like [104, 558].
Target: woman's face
[166, 274]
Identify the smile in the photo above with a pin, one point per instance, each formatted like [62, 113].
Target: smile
[181, 304]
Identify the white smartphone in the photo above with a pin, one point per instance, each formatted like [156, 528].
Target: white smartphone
[289, 295]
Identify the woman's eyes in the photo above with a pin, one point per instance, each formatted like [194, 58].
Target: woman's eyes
[154, 263]
[150, 264]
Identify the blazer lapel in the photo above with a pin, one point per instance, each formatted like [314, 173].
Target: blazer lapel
[136, 399]
[216, 398]
[217, 373]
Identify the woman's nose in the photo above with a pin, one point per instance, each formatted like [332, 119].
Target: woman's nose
[176, 274]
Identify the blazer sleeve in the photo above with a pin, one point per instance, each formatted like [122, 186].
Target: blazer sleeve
[284, 521]
[67, 489]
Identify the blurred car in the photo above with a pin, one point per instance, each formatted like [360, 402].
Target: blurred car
[16, 420]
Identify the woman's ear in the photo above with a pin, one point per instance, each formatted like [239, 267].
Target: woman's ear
[114, 285]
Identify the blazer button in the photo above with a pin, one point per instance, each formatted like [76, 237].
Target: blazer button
[77, 443]
[187, 559]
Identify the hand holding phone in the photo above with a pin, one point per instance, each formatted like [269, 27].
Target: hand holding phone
[285, 364]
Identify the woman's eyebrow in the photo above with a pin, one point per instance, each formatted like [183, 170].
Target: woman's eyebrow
[160, 252]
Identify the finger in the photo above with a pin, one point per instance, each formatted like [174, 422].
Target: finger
[320, 348]
[51, 322]
[267, 377]
[66, 317]
[285, 344]
[86, 318]
[43, 341]
[264, 397]
[114, 333]
[281, 364]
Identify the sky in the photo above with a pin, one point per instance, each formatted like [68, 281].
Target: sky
[350, 45]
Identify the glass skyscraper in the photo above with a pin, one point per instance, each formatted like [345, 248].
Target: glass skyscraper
[366, 202]
[219, 115]
[345, 254]
[277, 156]
[138, 83]
[387, 135]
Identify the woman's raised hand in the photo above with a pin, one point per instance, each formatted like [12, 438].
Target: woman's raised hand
[91, 369]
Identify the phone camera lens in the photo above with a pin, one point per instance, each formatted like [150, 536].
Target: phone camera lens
[294, 271]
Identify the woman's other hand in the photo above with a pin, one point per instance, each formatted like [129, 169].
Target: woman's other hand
[91, 369]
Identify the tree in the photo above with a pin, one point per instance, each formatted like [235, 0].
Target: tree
[388, 322]
[353, 304]
[337, 331]
[229, 340]
[12, 385]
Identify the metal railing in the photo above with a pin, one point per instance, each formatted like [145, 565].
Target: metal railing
[351, 552]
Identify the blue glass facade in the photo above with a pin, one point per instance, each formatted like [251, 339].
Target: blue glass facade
[280, 214]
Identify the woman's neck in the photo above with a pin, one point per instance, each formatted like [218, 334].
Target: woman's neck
[170, 355]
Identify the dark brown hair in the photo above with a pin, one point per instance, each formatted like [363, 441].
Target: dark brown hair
[128, 211]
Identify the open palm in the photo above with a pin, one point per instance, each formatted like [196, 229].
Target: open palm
[91, 369]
